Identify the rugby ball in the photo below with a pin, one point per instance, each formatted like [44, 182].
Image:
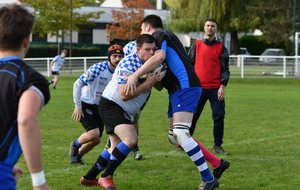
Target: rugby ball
[162, 68]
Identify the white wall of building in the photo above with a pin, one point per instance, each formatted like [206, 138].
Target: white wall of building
[100, 37]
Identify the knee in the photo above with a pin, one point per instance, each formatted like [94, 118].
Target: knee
[181, 132]
[94, 136]
[131, 142]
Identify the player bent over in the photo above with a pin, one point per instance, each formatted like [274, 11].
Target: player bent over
[87, 91]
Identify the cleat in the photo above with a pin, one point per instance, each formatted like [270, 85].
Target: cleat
[54, 87]
[85, 182]
[217, 172]
[73, 153]
[79, 162]
[209, 185]
[136, 154]
[107, 183]
[50, 82]
[219, 150]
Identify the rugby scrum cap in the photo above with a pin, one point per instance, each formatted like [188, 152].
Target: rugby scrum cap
[115, 49]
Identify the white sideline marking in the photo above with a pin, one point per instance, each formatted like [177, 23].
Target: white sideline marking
[183, 154]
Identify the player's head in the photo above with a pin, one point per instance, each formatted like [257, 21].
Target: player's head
[64, 53]
[16, 23]
[146, 46]
[150, 23]
[115, 55]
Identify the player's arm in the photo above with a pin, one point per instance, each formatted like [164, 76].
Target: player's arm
[30, 135]
[51, 64]
[77, 114]
[148, 66]
[150, 81]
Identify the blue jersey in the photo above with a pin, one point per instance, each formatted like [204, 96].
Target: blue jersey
[16, 77]
[180, 73]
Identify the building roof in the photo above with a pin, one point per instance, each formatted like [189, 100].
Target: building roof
[106, 17]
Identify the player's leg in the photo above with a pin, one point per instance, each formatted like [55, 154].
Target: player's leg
[128, 136]
[116, 122]
[94, 126]
[90, 179]
[136, 154]
[182, 118]
[55, 80]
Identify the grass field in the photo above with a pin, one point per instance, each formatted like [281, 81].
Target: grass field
[261, 134]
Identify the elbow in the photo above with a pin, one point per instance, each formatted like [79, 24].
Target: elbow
[124, 98]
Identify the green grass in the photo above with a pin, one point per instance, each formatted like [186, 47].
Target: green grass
[261, 135]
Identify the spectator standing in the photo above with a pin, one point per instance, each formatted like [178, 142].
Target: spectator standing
[210, 59]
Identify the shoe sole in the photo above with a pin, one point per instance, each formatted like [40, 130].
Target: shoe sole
[224, 167]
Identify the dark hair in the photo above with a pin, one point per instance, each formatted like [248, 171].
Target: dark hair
[16, 23]
[153, 20]
[144, 38]
[212, 20]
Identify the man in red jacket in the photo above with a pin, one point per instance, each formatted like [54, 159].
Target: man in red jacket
[210, 59]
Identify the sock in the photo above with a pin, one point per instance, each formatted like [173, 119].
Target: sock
[79, 156]
[209, 157]
[117, 157]
[99, 166]
[77, 143]
[194, 152]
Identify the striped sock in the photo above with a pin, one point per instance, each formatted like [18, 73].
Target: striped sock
[194, 152]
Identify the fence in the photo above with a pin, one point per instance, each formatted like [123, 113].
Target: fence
[240, 65]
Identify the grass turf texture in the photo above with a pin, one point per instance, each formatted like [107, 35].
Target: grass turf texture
[261, 134]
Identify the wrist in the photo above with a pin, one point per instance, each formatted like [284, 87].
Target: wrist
[38, 178]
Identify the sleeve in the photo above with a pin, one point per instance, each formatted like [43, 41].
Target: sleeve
[191, 53]
[77, 93]
[55, 58]
[161, 39]
[224, 60]
[91, 74]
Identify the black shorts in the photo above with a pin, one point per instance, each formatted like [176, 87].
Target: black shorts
[55, 72]
[91, 119]
[112, 115]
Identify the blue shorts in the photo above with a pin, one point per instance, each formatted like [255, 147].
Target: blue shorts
[8, 182]
[184, 100]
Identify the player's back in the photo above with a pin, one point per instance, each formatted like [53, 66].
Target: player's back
[180, 73]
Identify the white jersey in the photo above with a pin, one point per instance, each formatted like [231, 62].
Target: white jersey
[125, 68]
[58, 62]
[129, 48]
[95, 80]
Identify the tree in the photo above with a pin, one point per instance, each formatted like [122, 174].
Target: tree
[276, 20]
[54, 15]
[232, 16]
[126, 25]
